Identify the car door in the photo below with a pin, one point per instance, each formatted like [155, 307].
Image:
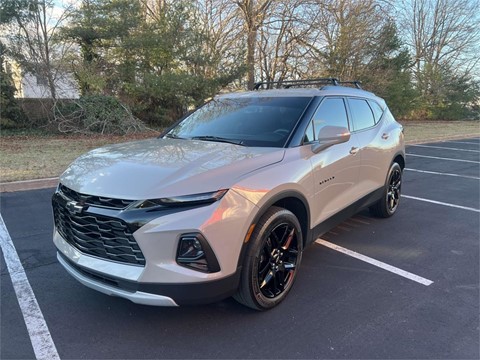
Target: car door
[335, 169]
[370, 138]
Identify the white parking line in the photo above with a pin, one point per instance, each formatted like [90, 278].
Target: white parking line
[40, 337]
[446, 148]
[442, 158]
[445, 174]
[441, 203]
[375, 262]
[463, 142]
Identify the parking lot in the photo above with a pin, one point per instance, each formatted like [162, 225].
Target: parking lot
[405, 287]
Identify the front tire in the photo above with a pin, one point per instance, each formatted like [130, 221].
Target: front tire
[388, 204]
[273, 256]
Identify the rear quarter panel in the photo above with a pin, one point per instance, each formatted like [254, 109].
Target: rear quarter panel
[380, 145]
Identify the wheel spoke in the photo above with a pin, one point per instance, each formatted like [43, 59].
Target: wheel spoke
[264, 268]
[392, 203]
[269, 246]
[275, 242]
[289, 275]
[288, 242]
[267, 279]
[278, 280]
[284, 235]
[277, 260]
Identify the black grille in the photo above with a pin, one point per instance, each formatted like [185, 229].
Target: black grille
[98, 235]
[94, 200]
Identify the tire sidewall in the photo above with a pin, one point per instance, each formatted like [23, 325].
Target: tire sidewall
[395, 166]
[258, 241]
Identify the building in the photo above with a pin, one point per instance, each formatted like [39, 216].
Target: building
[30, 85]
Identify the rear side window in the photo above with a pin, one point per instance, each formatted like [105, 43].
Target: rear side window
[362, 114]
[377, 110]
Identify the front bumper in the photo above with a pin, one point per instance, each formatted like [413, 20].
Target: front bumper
[137, 297]
[162, 281]
[156, 294]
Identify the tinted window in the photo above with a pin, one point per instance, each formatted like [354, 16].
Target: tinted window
[362, 114]
[377, 110]
[331, 112]
[259, 121]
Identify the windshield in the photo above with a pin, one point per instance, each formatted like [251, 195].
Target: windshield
[260, 121]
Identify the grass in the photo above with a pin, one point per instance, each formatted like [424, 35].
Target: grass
[423, 131]
[35, 155]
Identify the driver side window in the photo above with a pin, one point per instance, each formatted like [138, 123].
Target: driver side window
[330, 112]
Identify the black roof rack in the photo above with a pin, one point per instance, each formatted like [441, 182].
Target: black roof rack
[289, 83]
[321, 81]
[358, 84]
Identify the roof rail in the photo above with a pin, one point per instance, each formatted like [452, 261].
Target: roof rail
[358, 84]
[321, 81]
[289, 83]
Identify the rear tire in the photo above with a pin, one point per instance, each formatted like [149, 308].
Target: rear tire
[271, 262]
[388, 204]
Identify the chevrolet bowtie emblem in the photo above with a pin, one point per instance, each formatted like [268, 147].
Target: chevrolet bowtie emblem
[74, 207]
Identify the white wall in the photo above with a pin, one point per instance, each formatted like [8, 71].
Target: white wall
[66, 87]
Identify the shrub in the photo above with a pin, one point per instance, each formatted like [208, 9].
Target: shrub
[96, 114]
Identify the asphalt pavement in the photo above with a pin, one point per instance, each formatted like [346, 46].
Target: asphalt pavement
[340, 306]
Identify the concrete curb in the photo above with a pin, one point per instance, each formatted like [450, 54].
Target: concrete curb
[28, 184]
[52, 182]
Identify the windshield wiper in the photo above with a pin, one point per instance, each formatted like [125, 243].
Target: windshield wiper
[217, 139]
[173, 136]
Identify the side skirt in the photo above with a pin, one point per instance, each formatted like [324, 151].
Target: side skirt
[342, 215]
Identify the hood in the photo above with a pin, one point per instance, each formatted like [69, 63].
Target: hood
[164, 167]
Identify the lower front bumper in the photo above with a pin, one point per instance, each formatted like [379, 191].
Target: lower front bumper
[158, 294]
[136, 297]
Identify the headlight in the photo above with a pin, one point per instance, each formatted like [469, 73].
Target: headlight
[184, 200]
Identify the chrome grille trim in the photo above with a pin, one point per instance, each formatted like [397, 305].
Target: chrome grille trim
[100, 201]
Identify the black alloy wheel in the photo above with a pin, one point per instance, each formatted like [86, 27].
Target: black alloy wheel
[273, 256]
[278, 261]
[388, 204]
[394, 186]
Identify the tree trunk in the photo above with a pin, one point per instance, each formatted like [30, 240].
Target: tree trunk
[251, 42]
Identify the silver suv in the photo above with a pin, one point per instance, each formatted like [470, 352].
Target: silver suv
[226, 200]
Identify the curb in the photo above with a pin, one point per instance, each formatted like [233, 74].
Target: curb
[28, 185]
[52, 182]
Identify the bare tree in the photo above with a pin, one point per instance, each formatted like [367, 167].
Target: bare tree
[281, 52]
[345, 34]
[254, 13]
[33, 39]
[442, 34]
[223, 31]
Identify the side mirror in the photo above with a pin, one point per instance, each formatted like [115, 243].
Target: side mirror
[330, 135]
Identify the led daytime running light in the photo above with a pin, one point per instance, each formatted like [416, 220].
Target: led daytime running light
[183, 200]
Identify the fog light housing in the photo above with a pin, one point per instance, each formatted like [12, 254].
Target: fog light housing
[194, 252]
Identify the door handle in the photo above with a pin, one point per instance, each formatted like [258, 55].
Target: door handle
[385, 136]
[354, 150]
